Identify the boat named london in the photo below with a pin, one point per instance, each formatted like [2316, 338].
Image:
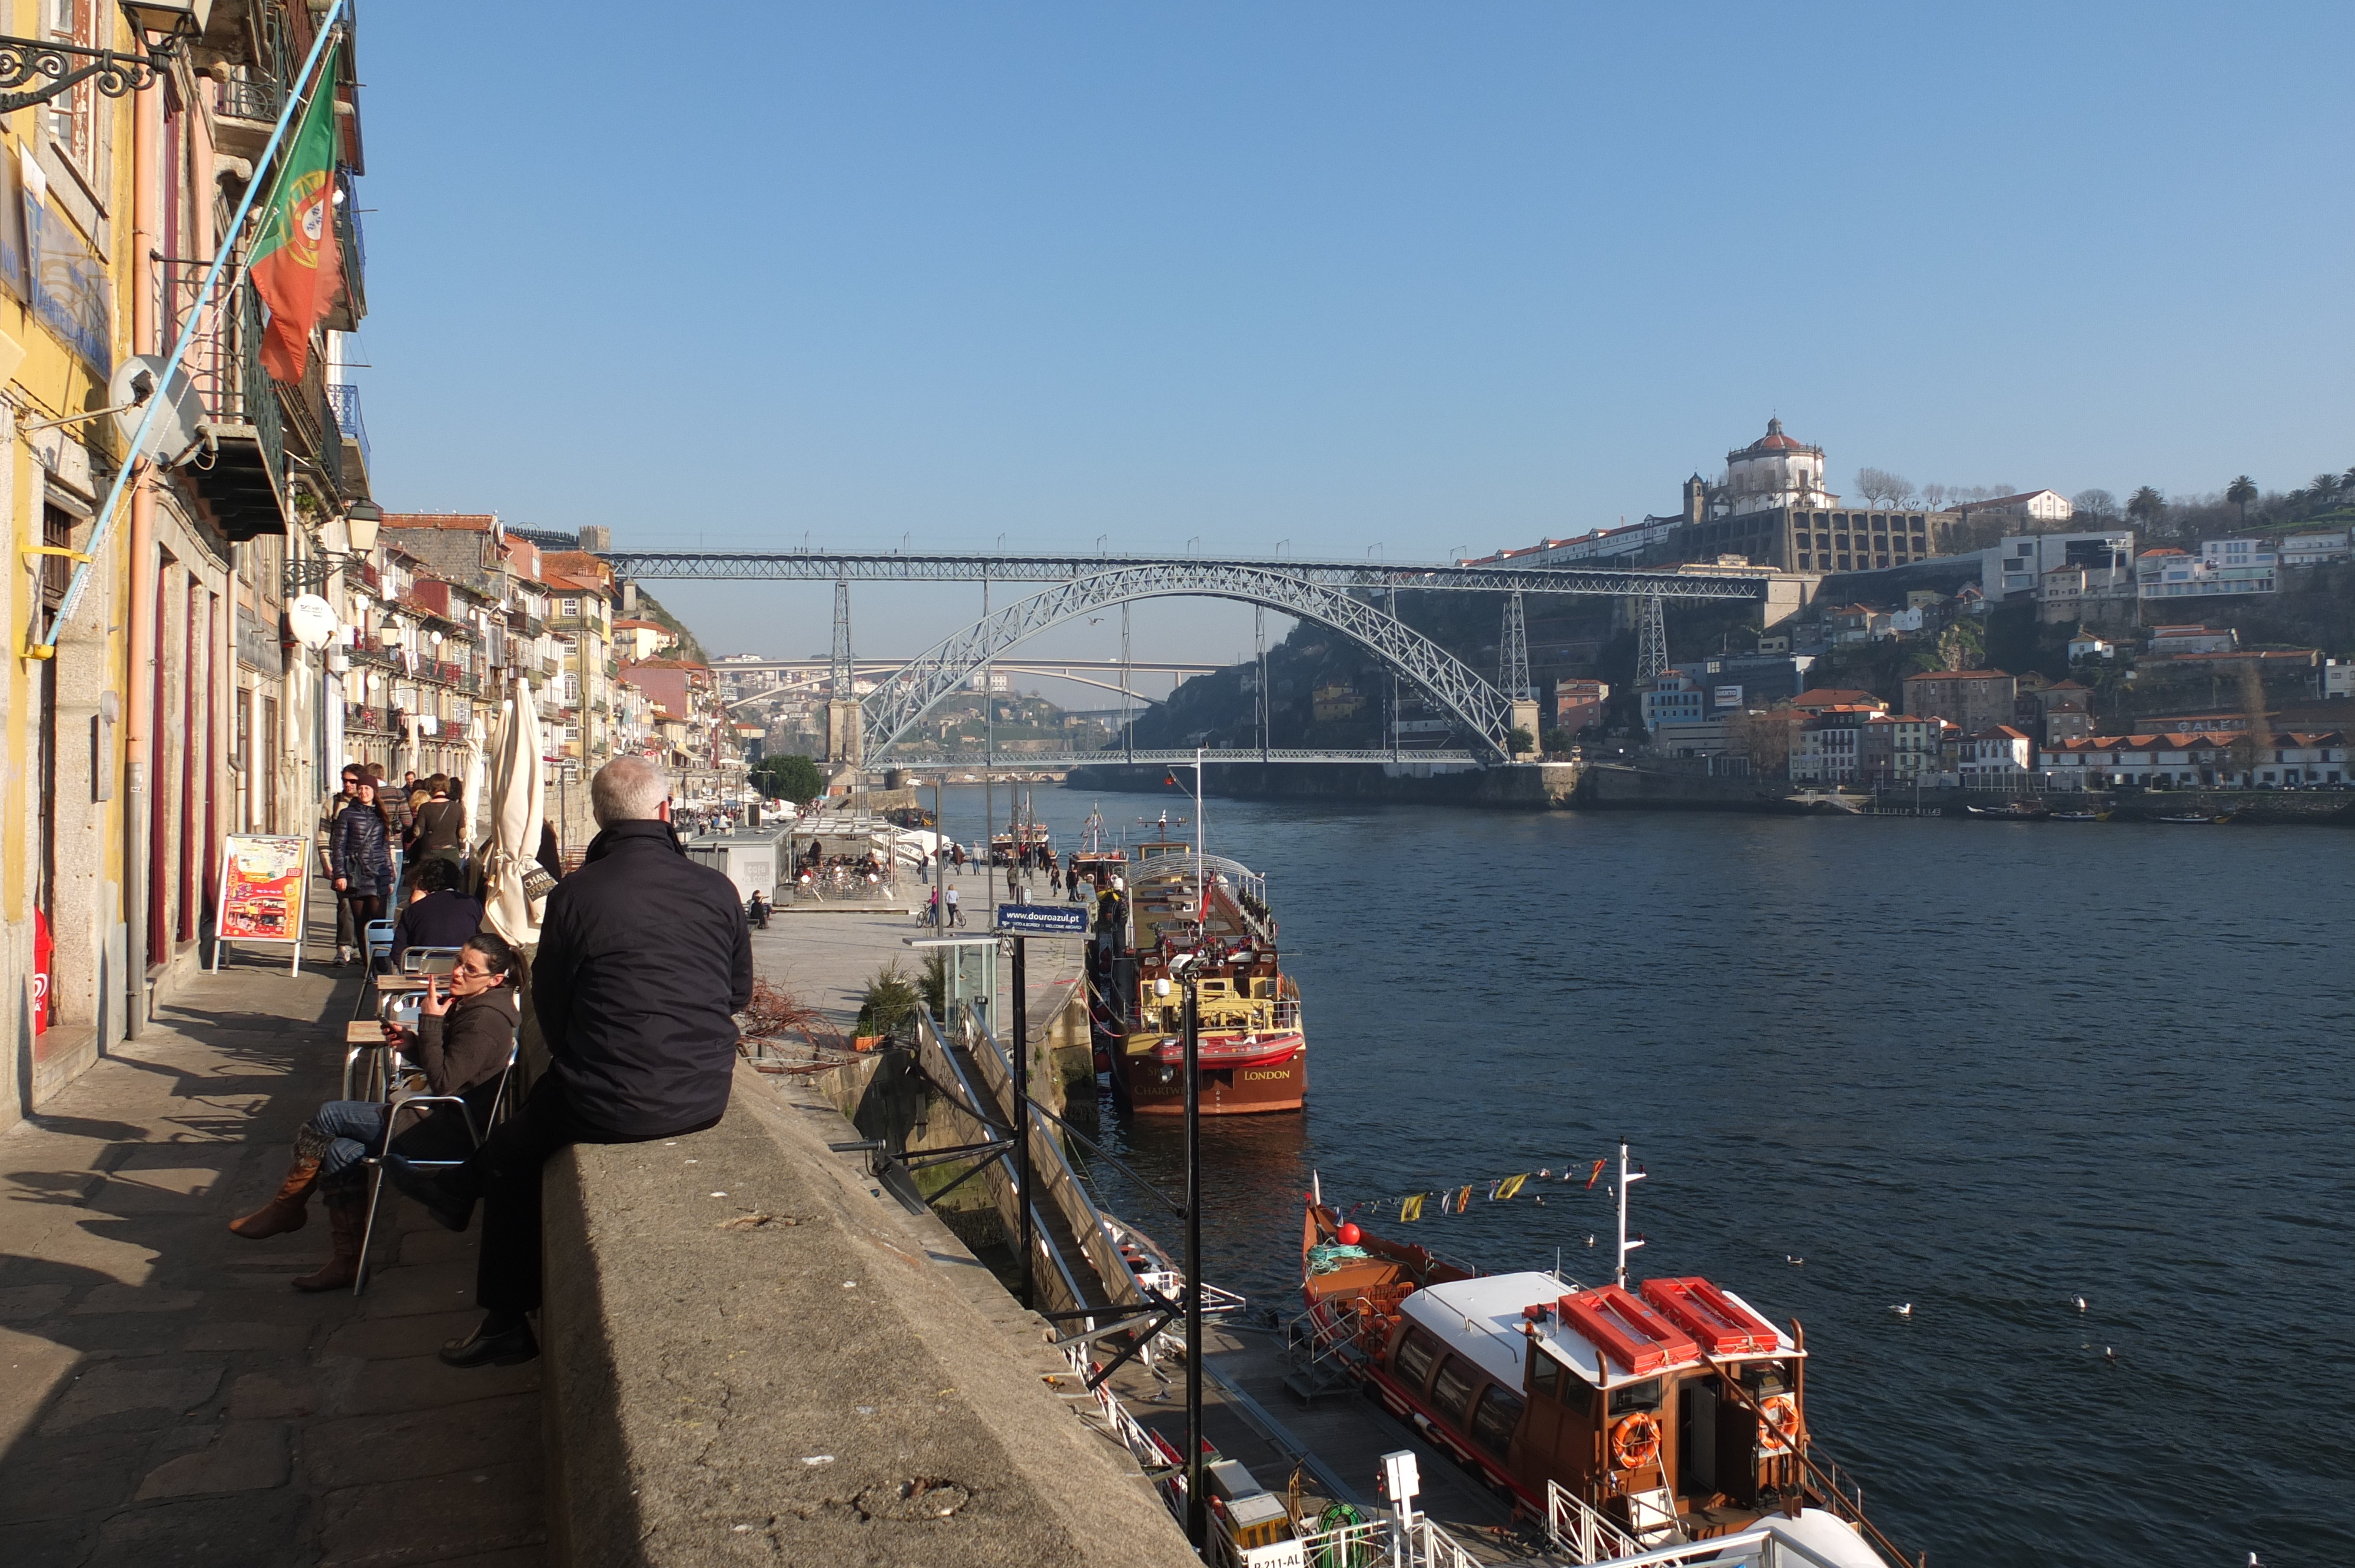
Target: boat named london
[1186, 916]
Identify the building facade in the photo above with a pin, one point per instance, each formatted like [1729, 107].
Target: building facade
[1975, 699]
[172, 707]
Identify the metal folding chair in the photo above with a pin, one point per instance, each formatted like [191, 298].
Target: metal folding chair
[375, 1056]
[378, 939]
[496, 1113]
[428, 960]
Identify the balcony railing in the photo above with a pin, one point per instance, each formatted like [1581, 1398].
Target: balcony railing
[252, 98]
[224, 364]
[344, 400]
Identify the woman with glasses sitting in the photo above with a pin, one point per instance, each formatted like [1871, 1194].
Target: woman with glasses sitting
[465, 1032]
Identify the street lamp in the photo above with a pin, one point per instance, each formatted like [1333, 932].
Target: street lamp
[111, 71]
[361, 521]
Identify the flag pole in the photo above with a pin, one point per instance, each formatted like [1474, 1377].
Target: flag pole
[47, 647]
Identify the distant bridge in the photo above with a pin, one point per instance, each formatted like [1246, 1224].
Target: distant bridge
[1017, 761]
[802, 674]
[871, 566]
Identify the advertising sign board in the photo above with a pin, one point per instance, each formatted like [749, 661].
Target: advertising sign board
[263, 880]
[1042, 919]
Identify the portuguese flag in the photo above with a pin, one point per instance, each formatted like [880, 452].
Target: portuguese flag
[294, 265]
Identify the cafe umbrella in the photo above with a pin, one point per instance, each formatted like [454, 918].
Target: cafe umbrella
[517, 807]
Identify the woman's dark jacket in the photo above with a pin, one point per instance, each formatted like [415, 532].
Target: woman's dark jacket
[359, 852]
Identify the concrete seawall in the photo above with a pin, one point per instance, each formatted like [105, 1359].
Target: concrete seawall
[1523, 786]
[754, 1352]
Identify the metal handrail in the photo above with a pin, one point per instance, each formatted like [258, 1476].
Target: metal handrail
[1578, 1530]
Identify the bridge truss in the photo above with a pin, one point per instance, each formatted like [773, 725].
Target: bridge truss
[895, 707]
[830, 566]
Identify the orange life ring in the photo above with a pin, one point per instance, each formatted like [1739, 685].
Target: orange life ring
[1635, 1441]
[1778, 1426]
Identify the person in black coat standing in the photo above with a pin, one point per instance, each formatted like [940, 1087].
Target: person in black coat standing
[644, 958]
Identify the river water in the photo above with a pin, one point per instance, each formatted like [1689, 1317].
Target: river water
[1983, 1069]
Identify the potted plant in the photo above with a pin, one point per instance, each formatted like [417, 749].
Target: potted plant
[887, 1007]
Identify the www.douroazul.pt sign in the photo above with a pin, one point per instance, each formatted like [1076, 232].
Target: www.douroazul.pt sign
[1042, 919]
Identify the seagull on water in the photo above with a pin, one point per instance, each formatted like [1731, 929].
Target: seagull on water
[1590, 1241]
[1904, 1312]
[2081, 1304]
[1794, 1261]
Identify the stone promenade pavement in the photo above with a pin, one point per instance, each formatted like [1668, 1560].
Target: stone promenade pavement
[165, 1398]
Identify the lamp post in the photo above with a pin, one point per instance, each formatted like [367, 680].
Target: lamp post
[362, 519]
[112, 71]
[1196, 1506]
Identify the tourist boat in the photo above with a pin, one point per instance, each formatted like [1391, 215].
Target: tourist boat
[2081, 816]
[2200, 818]
[1630, 1417]
[2016, 812]
[1023, 834]
[1188, 917]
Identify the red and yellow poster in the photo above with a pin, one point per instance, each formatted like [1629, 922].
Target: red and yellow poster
[262, 883]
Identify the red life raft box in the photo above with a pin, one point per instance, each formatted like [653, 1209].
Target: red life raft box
[1622, 1326]
[1722, 1326]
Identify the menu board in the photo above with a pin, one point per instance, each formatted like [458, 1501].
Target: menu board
[264, 878]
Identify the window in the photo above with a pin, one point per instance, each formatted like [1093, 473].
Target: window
[70, 114]
[1451, 1391]
[1636, 1396]
[569, 606]
[1545, 1373]
[1493, 1423]
[1416, 1354]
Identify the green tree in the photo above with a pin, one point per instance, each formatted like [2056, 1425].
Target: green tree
[1521, 741]
[889, 1002]
[2147, 507]
[795, 779]
[2240, 493]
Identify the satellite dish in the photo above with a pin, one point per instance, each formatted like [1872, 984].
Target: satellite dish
[179, 422]
[312, 620]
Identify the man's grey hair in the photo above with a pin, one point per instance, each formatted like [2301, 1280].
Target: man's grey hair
[628, 789]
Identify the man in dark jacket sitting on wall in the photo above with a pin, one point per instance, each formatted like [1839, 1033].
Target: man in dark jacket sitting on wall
[643, 957]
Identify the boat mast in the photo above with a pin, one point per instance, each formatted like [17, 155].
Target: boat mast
[1625, 1246]
[1202, 831]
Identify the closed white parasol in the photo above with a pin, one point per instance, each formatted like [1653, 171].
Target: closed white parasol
[516, 809]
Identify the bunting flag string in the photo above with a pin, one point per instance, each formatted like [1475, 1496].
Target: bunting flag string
[1410, 1207]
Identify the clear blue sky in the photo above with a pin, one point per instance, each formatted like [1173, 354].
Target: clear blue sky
[1349, 275]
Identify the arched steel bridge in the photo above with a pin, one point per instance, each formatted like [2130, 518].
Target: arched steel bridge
[1334, 594]
[885, 566]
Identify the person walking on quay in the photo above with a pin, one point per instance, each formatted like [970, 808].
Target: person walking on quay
[359, 853]
[643, 957]
[464, 1035]
[346, 936]
[956, 916]
[440, 831]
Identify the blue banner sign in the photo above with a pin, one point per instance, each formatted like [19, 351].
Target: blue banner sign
[1042, 919]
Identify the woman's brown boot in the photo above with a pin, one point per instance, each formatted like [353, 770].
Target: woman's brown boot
[285, 1212]
[347, 1221]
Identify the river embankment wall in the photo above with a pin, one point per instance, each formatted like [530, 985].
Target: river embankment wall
[1520, 787]
[1619, 786]
[1613, 786]
[755, 1351]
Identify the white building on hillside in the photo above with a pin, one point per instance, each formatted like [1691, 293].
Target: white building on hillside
[2017, 565]
[2036, 506]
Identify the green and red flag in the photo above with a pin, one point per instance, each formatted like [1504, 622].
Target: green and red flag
[295, 265]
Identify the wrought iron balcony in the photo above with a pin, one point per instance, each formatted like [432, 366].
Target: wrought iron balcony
[245, 484]
[344, 398]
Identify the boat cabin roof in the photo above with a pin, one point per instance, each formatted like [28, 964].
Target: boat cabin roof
[1482, 1319]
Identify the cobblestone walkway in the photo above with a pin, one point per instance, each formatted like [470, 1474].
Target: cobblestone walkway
[165, 1398]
